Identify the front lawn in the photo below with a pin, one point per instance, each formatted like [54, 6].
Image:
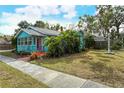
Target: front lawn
[9, 54]
[23, 57]
[95, 65]
[12, 78]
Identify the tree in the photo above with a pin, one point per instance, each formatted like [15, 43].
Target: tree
[105, 16]
[14, 41]
[17, 30]
[66, 43]
[89, 40]
[39, 24]
[118, 17]
[57, 27]
[88, 22]
[61, 28]
[23, 24]
[47, 25]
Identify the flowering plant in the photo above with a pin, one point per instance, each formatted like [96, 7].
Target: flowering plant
[36, 55]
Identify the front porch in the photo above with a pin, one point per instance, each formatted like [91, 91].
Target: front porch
[30, 44]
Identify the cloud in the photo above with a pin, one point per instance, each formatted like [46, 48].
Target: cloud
[38, 10]
[70, 11]
[33, 13]
[7, 30]
[15, 18]
[62, 22]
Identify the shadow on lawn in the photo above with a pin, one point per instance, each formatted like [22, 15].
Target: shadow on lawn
[104, 60]
[107, 56]
[106, 73]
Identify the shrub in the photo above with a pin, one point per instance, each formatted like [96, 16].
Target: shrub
[33, 56]
[116, 45]
[66, 43]
[89, 41]
[14, 42]
[71, 42]
[36, 55]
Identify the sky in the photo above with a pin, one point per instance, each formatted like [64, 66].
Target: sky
[11, 15]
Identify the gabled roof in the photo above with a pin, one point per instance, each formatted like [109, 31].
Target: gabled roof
[3, 41]
[32, 32]
[36, 31]
[45, 31]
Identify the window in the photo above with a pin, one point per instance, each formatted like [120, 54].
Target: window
[29, 41]
[34, 41]
[25, 41]
[21, 41]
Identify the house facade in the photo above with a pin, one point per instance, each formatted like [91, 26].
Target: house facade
[32, 39]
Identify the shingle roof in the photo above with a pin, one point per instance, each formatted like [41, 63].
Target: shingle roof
[45, 31]
[99, 38]
[36, 31]
[32, 32]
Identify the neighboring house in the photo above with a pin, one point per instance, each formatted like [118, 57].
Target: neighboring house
[32, 39]
[122, 38]
[100, 42]
[122, 34]
[4, 44]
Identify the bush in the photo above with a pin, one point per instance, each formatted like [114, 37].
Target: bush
[33, 56]
[36, 55]
[66, 43]
[14, 42]
[116, 45]
[89, 41]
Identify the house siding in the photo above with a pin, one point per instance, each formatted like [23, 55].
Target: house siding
[33, 46]
[82, 43]
[45, 48]
[26, 48]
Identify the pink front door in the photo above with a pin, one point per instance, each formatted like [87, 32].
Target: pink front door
[39, 47]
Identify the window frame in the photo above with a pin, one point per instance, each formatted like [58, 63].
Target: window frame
[29, 40]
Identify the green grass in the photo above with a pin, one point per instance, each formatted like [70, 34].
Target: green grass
[12, 78]
[9, 54]
[95, 65]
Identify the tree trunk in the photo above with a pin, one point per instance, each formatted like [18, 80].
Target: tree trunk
[118, 32]
[109, 50]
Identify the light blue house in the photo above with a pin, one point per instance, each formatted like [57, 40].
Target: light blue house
[31, 39]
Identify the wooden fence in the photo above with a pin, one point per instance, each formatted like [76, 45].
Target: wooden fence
[5, 46]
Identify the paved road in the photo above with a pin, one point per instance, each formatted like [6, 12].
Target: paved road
[53, 79]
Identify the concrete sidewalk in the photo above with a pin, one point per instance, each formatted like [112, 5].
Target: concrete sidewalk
[7, 50]
[53, 79]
